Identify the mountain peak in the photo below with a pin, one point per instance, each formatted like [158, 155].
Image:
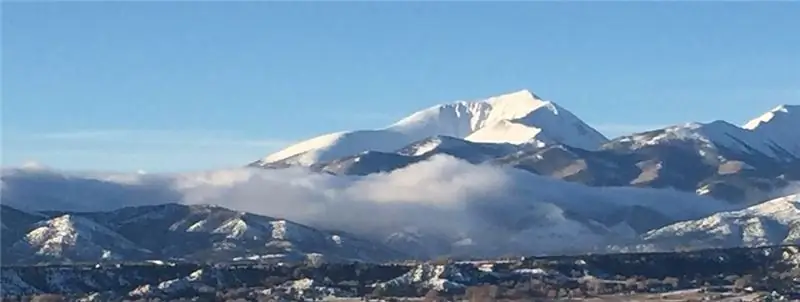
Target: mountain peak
[518, 104]
[778, 126]
[517, 117]
[461, 118]
[524, 96]
[523, 93]
[777, 114]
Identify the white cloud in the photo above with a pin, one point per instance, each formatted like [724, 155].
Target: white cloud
[490, 205]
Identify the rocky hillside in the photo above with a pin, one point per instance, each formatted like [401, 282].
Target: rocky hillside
[172, 232]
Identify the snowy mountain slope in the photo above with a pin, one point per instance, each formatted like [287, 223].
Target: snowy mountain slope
[198, 280]
[716, 159]
[340, 144]
[15, 225]
[365, 163]
[773, 222]
[516, 118]
[780, 126]
[75, 238]
[203, 230]
[548, 123]
[455, 146]
[455, 206]
[191, 232]
[438, 277]
[772, 135]
[681, 165]
[718, 140]
[369, 162]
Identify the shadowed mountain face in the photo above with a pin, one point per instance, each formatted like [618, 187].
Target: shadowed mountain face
[681, 165]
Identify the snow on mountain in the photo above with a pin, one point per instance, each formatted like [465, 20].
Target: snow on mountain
[188, 232]
[197, 281]
[213, 220]
[714, 139]
[772, 222]
[455, 206]
[76, 238]
[369, 162]
[430, 276]
[331, 146]
[212, 229]
[516, 118]
[772, 135]
[442, 143]
[546, 123]
[780, 126]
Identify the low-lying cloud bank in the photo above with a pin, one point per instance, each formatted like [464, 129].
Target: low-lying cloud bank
[453, 199]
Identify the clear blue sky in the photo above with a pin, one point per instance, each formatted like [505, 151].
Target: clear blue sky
[195, 85]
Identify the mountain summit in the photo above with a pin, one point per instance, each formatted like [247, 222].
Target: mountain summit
[515, 118]
[779, 125]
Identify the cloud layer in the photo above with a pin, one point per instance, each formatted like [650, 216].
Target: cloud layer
[442, 198]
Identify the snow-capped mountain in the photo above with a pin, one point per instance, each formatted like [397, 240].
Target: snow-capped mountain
[772, 222]
[718, 140]
[440, 188]
[717, 159]
[779, 126]
[515, 118]
[771, 135]
[177, 231]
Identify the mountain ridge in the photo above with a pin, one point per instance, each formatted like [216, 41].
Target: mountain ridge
[174, 232]
[742, 164]
[518, 117]
[775, 221]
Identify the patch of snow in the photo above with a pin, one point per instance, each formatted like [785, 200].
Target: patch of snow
[530, 271]
[260, 257]
[514, 118]
[766, 223]
[74, 234]
[279, 229]
[438, 277]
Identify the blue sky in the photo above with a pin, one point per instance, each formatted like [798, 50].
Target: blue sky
[196, 85]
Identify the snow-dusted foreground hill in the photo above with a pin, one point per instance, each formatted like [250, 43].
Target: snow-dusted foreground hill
[766, 269]
[773, 222]
[174, 232]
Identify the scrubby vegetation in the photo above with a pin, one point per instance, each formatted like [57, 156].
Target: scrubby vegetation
[772, 269]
